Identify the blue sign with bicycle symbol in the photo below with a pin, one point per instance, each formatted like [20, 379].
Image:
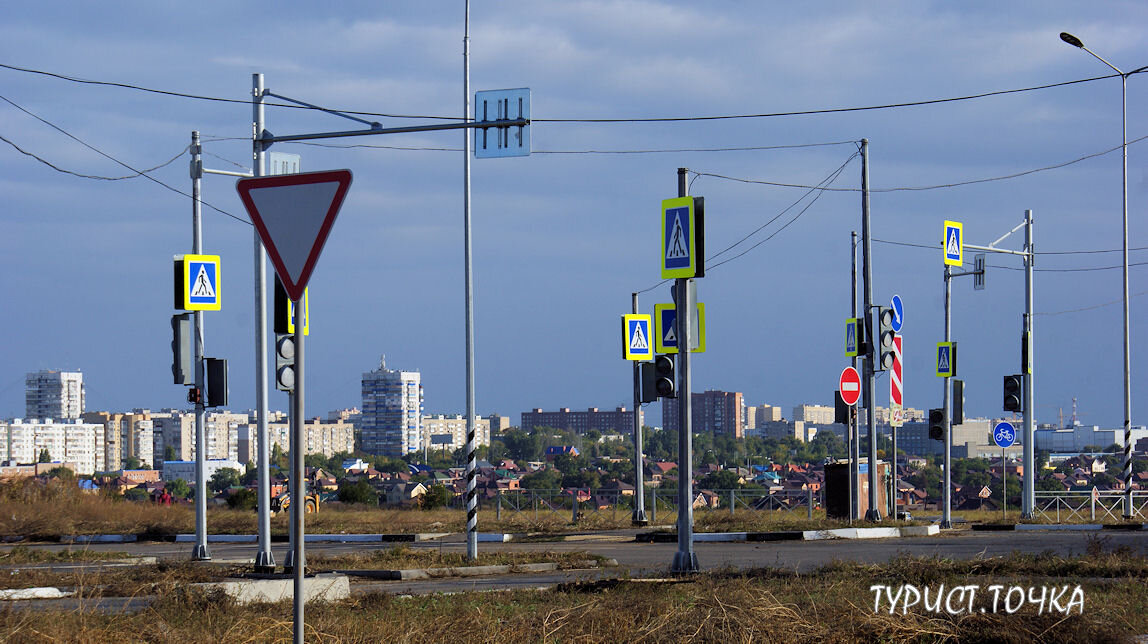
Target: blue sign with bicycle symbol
[1004, 434]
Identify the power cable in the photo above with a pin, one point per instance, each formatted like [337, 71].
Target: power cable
[89, 176]
[142, 173]
[1090, 308]
[938, 245]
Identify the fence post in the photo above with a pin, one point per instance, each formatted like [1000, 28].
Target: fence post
[809, 500]
[534, 502]
[498, 506]
[654, 505]
[574, 505]
[1092, 503]
[732, 501]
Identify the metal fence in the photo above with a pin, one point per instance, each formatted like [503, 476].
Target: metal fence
[615, 504]
[1070, 507]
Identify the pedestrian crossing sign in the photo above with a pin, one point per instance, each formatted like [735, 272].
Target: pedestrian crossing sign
[636, 343]
[946, 359]
[854, 335]
[954, 243]
[666, 328]
[197, 283]
[679, 241]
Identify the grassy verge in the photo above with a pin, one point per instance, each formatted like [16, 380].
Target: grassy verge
[834, 604]
[20, 555]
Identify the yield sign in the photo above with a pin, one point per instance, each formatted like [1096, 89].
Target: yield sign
[293, 214]
[850, 386]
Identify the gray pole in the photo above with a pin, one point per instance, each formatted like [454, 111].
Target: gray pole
[1129, 510]
[200, 553]
[298, 478]
[854, 430]
[471, 467]
[873, 513]
[1028, 495]
[946, 485]
[639, 518]
[685, 560]
[264, 559]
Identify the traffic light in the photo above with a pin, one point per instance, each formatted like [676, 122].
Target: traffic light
[937, 424]
[885, 338]
[658, 378]
[1012, 392]
[216, 371]
[958, 402]
[285, 362]
[182, 371]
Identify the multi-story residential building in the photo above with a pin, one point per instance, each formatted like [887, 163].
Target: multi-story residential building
[126, 435]
[176, 429]
[57, 395]
[449, 432]
[185, 470]
[327, 439]
[715, 412]
[767, 414]
[580, 422]
[813, 414]
[392, 411]
[68, 441]
[498, 424]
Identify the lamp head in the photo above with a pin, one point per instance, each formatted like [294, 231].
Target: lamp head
[1072, 40]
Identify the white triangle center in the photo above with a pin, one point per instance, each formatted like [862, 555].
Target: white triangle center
[954, 245]
[202, 286]
[293, 217]
[638, 341]
[677, 247]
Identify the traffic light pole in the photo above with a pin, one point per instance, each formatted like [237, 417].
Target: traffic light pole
[200, 553]
[947, 407]
[298, 477]
[854, 429]
[1028, 496]
[685, 560]
[639, 517]
[873, 513]
[264, 559]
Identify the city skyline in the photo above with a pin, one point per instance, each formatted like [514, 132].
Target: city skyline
[563, 237]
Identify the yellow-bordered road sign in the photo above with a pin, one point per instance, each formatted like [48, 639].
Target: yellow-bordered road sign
[666, 332]
[679, 241]
[946, 359]
[197, 283]
[854, 336]
[636, 344]
[306, 314]
[954, 243]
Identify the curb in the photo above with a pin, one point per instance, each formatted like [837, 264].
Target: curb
[465, 571]
[1059, 527]
[796, 535]
[317, 538]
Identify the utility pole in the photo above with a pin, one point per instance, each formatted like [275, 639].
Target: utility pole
[854, 429]
[200, 553]
[471, 443]
[870, 377]
[264, 559]
[639, 517]
[685, 560]
[947, 410]
[1028, 496]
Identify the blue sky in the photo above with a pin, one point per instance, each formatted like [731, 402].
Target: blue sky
[563, 237]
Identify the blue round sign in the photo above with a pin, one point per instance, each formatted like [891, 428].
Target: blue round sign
[898, 313]
[1004, 434]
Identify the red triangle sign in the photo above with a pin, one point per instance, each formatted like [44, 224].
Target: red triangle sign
[293, 214]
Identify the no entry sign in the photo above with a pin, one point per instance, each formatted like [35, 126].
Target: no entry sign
[850, 386]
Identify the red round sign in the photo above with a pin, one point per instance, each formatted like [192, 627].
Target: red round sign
[850, 386]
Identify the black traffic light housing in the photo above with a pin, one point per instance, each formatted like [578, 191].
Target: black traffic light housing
[285, 362]
[958, 405]
[1013, 396]
[842, 413]
[658, 378]
[216, 371]
[182, 365]
[937, 424]
[885, 338]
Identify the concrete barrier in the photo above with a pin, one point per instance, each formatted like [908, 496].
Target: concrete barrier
[324, 587]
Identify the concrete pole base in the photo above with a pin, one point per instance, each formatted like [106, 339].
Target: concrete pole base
[873, 515]
[265, 562]
[201, 553]
[684, 562]
[639, 518]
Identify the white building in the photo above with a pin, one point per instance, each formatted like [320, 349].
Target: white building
[54, 394]
[185, 470]
[66, 441]
[327, 439]
[392, 411]
[449, 432]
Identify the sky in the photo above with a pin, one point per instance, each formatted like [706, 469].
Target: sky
[563, 237]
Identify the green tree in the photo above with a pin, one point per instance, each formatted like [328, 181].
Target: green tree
[437, 496]
[359, 492]
[45, 457]
[169, 453]
[547, 479]
[723, 480]
[178, 488]
[222, 479]
[136, 494]
[62, 473]
[132, 463]
[244, 499]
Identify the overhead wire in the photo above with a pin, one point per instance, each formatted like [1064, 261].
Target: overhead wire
[142, 173]
[89, 176]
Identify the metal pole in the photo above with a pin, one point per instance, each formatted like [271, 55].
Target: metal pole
[946, 485]
[1028, 491]
[471, 467]
[1004, 486]
[639, 518]
[200, 553]
[854, 430]
[1129, 510]
[298, 478]
[264, 559]
[873, 513]
[685, 560]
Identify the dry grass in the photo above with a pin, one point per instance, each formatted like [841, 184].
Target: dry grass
[831, 605]
[404, 557]
[25, 555]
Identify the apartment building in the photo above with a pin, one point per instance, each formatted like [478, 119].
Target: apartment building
[619, 420]
[392, 411]
[57, 395]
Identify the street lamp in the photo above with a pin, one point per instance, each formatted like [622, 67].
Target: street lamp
[1076, 42]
